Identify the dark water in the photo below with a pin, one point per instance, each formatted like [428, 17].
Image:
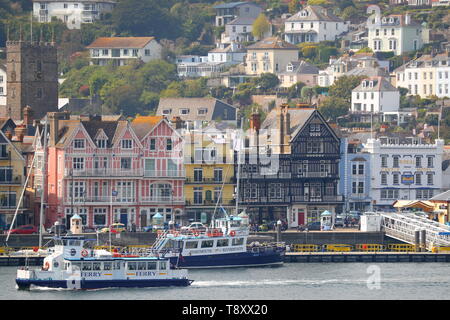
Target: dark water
[291, 281]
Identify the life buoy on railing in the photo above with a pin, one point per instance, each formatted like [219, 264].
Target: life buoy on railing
[46, 266]
[232, 233]
[84, 253]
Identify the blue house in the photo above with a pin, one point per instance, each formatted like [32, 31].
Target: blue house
[354, 173]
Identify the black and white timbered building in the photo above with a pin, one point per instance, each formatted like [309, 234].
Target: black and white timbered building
[290, 167]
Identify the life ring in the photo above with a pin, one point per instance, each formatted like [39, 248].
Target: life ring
[84, 253]
[232, 233]
[46, 266]
[196, 233]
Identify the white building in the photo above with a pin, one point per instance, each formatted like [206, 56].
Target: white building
[404, 169]
[228, 54]
[121, 50]
[375, 96]
[71, 12]
[314, 24]
[428, 75]
[396, 32]
[227, 12]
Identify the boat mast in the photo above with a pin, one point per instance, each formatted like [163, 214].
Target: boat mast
[44, 180]
[238, 159]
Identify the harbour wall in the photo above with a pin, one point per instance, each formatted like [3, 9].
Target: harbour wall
[147, 238]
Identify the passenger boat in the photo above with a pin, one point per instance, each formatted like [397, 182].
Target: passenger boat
[73, 265]
[224, 244]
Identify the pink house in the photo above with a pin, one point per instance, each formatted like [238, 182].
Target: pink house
[107, 170]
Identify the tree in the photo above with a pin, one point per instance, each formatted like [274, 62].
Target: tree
[267, 81]
[294, 91]
[260, 26]
[294, 6]
[342, 87]
[333, 107]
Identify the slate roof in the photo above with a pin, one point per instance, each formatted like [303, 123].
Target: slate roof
[272, 43]
[444, 196]
[298, 117]
[379, 84]
[315, 13]
[233, 5]
[242, 21]
[302, 67]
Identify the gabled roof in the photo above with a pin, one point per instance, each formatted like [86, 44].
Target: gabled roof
[315, 13]
[444, 196]
[298, 117]
[242, 21]
[120, 42]
[142, 125]
[273, 43]
[94, 126]
[302, 67]
[379, 84]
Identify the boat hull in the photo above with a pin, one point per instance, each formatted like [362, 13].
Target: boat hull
[241, 259]
[99, 284]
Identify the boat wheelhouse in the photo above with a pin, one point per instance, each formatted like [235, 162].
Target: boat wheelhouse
[74, 265]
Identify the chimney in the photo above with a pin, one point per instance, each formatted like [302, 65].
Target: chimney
[177, 122]
[8, 134]
[255, 121]
[28, 116]
[53, 122]
[20, 132]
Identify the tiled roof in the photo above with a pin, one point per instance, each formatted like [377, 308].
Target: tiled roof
[143, 125]
[272, 43]
[120, 42]
[315, 13]
[298, 117]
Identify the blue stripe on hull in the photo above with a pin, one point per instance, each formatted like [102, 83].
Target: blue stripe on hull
[241, 259]
[98, 284]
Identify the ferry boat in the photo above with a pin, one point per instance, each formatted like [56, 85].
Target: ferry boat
[73, 265]
[224, 244]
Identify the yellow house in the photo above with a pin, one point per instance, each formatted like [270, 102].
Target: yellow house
[12, 179]
[270, 55]
[209, 167]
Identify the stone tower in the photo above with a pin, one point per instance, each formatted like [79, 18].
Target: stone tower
[32, 78]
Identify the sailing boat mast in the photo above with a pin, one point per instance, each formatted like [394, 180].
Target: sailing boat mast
[44, 175]
[238, 159]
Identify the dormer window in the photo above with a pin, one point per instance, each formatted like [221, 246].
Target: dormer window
[101, 143]
[167, 111]
[371, 84]
[127, 144]
[364, 84]
[184, 111]
[202, 111]
[78, 144]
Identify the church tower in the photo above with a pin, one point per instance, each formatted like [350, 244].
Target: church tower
[32, 78]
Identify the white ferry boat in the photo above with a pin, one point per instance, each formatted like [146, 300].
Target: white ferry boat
[73, 265]
[224, 244]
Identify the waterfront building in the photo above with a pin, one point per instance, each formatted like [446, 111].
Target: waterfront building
[428, 75]
[314, 24]
[375, 98]
[355, 175]
[227, 12]
[196, 112]
[270, 55]
[209, 166]
[73, 12]
[121, 50]
[290, 167]
[403, 168]
[107, 170]
[397, 33]
[299, 71]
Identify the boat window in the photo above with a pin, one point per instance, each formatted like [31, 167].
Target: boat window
[131, 265]
[238, 241]
[74, 243]
[162, 265]
[96, 266]
[151, 265]
[207, 243]
[191, 244]
[222, 242]
[86, 266]
[76, 266]
[116, 265]
[106, 265]
[142, 265]
[66, 265]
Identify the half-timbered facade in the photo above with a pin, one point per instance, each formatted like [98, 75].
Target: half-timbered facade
[110, 170]
[291, 167]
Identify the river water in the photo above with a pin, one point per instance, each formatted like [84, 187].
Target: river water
[292, 281]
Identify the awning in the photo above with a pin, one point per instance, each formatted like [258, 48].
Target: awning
[424, 205]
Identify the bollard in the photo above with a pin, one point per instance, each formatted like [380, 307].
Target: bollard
[423, 240]
[278, 231]
[417, 240]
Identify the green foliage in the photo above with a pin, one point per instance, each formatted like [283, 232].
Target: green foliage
[342, 88]
[260, 26]
[294, 6]
[334, 107]
[295, 90]
[318, 53]
[267, 81]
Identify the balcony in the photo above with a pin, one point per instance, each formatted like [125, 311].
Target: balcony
[224, 202]
[164, 173]
[162, 200]
[315, 175]
[15, 180]
[316, 199]
[257, 175]
[103, 172]
[98, 199]
[209, 181]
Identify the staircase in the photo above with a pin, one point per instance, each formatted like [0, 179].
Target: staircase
[403, 227]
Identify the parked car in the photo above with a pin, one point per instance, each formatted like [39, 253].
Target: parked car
[195, 226]
[26, 229]
[313, 225]
[115, 227]
[339, 221]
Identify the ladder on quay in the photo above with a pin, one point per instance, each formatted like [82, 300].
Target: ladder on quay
[403, 226]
